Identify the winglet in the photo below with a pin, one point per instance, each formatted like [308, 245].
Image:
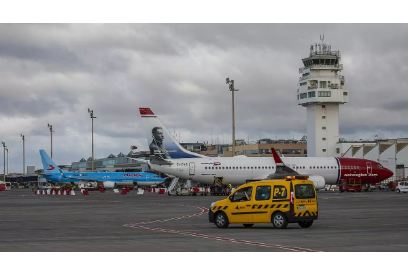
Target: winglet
[276, 157]
[146, 112]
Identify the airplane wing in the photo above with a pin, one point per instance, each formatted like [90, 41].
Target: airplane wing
[153, 160]
[282, 170]
[140, 160]
[159, 161]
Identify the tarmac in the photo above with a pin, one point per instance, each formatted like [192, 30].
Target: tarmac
[371, 222]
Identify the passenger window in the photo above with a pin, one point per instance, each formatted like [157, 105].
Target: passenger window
[242, 195]
[280, 192]
[263, 192]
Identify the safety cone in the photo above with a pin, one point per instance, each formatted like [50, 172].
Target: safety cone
[38, 192]
[59, 192]
[53, 192]
[72, 192]
[48, 191]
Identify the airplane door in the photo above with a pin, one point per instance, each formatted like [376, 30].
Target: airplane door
[192, 168]
[368, 168]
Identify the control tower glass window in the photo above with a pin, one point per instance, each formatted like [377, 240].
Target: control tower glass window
[323, 84]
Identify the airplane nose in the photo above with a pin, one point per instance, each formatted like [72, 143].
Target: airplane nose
[385, 174]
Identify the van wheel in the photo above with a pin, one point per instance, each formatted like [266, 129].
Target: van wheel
[221, 220]
[305, 223]
[279, 220]
[397, 190]
[248, 225]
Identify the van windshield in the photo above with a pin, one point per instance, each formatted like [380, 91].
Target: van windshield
[304, 191]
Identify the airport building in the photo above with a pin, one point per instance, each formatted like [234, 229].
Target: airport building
[261, 147]
[113, 163]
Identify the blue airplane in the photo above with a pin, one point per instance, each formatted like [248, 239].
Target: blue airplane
[54, 174]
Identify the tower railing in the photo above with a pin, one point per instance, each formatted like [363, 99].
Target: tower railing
[320, 66]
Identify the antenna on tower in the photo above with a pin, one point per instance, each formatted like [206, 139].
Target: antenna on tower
[322, 38]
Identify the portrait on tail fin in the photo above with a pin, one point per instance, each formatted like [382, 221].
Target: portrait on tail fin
[156, 147]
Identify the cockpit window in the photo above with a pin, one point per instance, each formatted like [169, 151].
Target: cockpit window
[380, 166]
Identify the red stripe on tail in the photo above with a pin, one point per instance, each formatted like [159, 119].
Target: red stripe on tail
[276, 157]
[146, 112]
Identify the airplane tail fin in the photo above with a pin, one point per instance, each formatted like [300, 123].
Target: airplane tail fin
[48, 164]
[277, 158]
[161, 143]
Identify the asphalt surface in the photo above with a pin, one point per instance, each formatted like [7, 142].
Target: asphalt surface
[376, 221]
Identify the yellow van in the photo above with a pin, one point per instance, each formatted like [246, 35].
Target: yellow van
[281, 201]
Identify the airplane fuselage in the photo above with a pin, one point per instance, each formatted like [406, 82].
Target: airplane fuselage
[237, 170]
[125, 178]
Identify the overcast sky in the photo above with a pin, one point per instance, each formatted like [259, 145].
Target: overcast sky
[53, 73]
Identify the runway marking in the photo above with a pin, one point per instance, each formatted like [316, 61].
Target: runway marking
[142, 225]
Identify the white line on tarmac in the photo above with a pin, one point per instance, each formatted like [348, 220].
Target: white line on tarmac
[142, 225]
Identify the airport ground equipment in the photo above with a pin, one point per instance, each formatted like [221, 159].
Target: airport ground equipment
[2, 186]
[219, 188]
[280, 201]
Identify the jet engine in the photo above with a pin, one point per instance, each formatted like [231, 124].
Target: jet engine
[108, 184]
[319, 181]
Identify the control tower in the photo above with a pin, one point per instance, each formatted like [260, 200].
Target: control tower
[321, 91]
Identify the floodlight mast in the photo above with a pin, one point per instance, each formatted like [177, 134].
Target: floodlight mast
[51, 135]
[230, 83]
[91, 114]
[24, 154]
[4, 160]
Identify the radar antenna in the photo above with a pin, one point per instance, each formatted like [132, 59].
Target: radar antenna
[322, 38]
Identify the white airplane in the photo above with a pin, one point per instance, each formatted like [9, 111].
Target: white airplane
[169, 157]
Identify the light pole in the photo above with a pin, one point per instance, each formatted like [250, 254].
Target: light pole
[4, 159]
[24, 154]
[230, 83]
[7, 159]
[91, 115]
[51, 134]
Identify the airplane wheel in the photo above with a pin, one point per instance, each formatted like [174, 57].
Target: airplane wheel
[279, 220]
[248, 225]
[397, 190]
[221, 220]
[306, 223]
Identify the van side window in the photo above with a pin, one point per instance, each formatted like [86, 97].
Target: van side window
[242, 195]
[263, 193]
[280, 192]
